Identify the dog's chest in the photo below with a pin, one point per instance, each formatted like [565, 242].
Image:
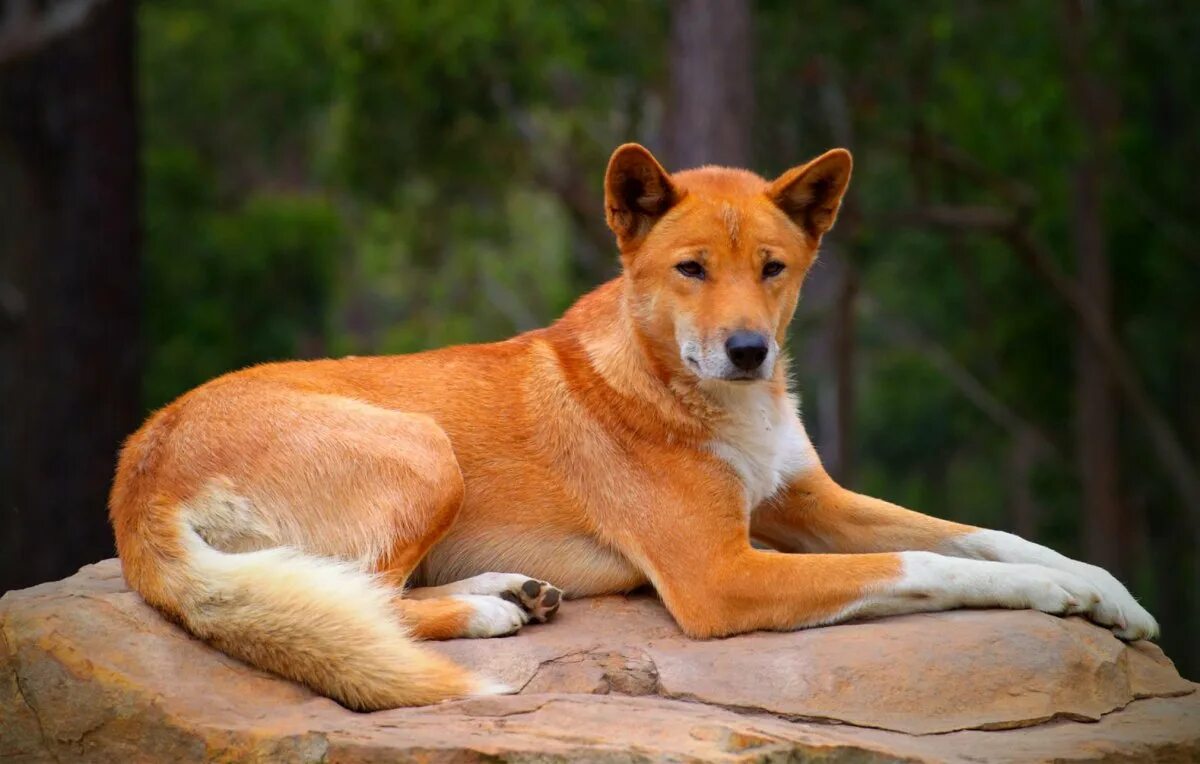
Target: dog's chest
[763, 440]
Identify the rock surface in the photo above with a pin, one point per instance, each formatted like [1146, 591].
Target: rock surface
[89, 673]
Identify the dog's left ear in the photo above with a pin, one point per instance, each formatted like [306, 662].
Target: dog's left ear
[637, 192]
[812, 193]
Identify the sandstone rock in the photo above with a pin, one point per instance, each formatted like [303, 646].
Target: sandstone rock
[89, 673]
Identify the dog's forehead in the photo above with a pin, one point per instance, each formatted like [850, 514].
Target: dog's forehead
[730, 201]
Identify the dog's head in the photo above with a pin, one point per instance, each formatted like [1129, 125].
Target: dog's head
[714, 257]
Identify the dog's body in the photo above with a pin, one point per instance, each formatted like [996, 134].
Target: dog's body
[644, 437]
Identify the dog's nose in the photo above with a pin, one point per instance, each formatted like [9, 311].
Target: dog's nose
[747, 350]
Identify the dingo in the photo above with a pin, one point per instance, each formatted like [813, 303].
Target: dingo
[278, 512]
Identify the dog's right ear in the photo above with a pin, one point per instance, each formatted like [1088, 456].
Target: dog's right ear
[637, 192]
[811, 194]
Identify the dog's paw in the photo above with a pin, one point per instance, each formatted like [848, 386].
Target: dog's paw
[1053, 591]
[1116, 608]
[540, 599]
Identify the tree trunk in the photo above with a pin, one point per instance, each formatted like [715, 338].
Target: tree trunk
[710, 108]
[837, 448]
[69, 281]
[842, 327]
[1096, 407]
[1096, 404]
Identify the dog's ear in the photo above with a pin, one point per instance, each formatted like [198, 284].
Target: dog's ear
[637, 192]
[811, 194]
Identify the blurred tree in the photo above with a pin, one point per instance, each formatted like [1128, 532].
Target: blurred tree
[710, 107]
[69, 362]
[1097, 408]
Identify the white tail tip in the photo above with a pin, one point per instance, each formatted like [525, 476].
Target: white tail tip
[489, 687]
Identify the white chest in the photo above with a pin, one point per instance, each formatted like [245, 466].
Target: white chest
[763, 440]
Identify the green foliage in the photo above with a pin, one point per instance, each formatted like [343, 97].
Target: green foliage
[239, 287]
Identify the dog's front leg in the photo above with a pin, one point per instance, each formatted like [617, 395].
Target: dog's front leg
[696, 551]
[815, 514]
[715, 584]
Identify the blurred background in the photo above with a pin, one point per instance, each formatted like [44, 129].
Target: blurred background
[1003, 329]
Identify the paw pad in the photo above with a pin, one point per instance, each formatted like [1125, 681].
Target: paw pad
[540, 599]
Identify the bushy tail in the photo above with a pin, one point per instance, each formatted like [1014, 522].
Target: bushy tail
[326, 624]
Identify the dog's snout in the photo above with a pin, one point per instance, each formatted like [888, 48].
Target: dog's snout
[747, 350]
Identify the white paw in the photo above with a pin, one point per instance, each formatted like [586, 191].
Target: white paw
[540, 599]
[492, 616]
[1117, 608]
[1052, 591]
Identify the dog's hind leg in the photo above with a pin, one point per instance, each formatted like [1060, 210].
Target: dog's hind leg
[342, 479]
[276, 532]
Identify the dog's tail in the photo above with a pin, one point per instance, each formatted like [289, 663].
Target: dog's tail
[326, 624]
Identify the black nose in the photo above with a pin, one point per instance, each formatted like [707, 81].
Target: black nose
[747, 350]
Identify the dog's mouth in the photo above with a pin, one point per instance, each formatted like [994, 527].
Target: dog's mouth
[741, 377]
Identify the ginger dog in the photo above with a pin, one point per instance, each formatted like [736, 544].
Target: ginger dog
[645, 437]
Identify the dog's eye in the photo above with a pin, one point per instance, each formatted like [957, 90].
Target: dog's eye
[691, 269]
[772, 269]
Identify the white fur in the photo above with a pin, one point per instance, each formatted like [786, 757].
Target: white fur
[1116, 608]
[487, 687]
[228, 521]
[494, 584]
[762, 438]
[931, 581]
[492, 616]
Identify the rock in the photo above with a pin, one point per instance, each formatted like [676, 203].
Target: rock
[90, 673]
